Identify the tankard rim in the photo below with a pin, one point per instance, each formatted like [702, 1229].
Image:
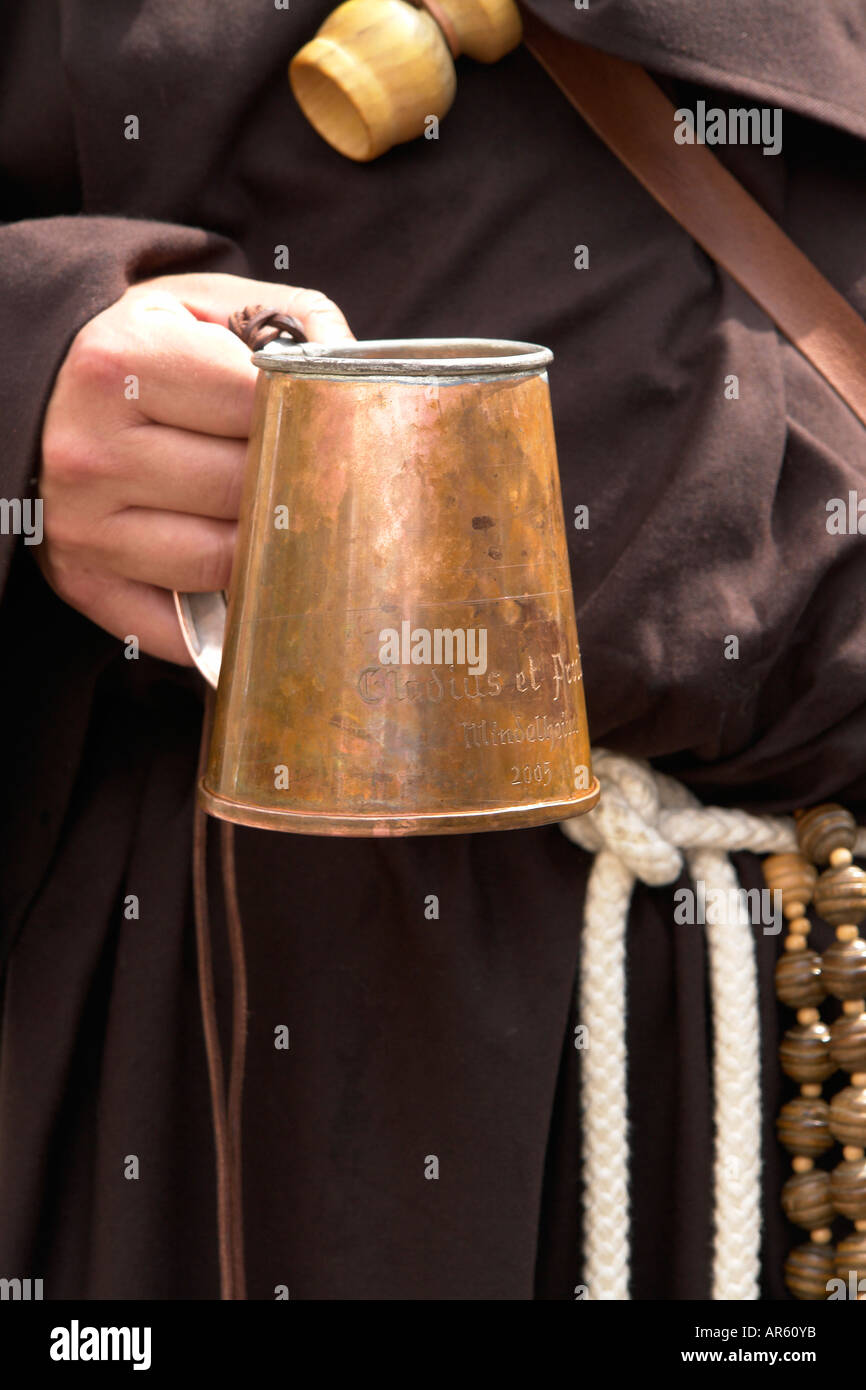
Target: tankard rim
[405, 357]
[384, 824]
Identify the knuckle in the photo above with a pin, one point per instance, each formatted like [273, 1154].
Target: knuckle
[96, 357]
[62, 536]
[316, 302]
[70, 458]
[68, 578]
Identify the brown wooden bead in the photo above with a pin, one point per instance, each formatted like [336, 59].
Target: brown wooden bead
[840, 856]
[848, 1188]
[806, 1199]
[840, 895]
[803, 1127]
[848, 1116]
[843, 966]
[804, 1052]
[793, 875]
[823, 829]
[807, 1270]
[795, 943]
[851, 1256]
[798, 979]
[848, 1042]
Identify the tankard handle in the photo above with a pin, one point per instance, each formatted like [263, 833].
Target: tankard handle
[202, 619]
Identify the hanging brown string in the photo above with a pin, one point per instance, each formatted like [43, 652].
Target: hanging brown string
[240, 1014]
[227, 1121]
[257, 326]
[216, 1074]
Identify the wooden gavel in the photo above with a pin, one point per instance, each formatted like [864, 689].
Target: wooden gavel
[378, 70]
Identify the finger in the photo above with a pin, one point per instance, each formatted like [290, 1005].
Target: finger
[127, 610]
[191, 375]
[173, 470]
[215, 297]
[138, 610]
[168, 549]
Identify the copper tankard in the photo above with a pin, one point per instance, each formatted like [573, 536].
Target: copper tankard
[400, 653]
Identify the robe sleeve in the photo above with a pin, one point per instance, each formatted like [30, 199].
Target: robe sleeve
[56, 274]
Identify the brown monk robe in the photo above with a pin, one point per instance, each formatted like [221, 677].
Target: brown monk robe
[707, 518]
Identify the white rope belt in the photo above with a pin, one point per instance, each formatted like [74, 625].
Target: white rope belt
[644, 827]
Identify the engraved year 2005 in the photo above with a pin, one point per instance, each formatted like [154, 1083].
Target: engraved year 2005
[539, 774]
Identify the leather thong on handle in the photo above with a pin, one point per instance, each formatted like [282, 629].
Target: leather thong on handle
[634, 118]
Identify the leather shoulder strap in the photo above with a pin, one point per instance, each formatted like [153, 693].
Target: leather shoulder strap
[632, 115]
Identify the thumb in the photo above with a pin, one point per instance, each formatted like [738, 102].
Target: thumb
[214, 297]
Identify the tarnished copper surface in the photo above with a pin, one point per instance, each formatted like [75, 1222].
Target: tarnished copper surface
[432, 501]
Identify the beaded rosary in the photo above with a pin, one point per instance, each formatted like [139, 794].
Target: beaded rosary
[811, 1051]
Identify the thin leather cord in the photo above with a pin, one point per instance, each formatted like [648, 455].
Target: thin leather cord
[237, 1065]
[207, 998]
[256, 326]
[439, 15]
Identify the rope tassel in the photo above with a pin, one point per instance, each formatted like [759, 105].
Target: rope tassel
[736, 1048]
[603, 1078]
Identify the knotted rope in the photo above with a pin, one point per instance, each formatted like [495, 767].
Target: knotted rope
[646, 826]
